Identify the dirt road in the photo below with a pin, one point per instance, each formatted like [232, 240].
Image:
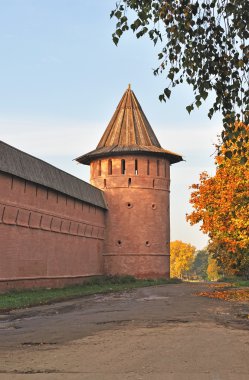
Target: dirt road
[164, 332]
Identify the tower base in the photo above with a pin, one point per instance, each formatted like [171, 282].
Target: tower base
[138, 265]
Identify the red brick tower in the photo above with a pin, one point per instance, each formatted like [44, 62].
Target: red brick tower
[133, 170]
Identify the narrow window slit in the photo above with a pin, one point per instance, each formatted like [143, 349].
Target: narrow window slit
[110, 167]
[99, 168]
[122, 166]
[136, 167]
[158, 168]
[148, 167]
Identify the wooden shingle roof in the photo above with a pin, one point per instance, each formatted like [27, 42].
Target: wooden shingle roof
[128, 132]
[23, 165]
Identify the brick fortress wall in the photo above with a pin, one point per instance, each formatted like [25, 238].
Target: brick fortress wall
[46, 237]
[138, 234]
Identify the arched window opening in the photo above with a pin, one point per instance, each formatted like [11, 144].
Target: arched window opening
[110, 167]
[158, 168]
[99, 168]
[123, 166]
[136, 167]
[148, 167]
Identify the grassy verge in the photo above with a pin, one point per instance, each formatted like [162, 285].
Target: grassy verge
[40, 296]
[235, 281]
[242, 283]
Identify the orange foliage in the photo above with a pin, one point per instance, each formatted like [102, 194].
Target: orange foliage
[221, 202]
[228, 295]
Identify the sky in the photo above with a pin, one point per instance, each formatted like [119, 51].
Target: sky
[61, 78]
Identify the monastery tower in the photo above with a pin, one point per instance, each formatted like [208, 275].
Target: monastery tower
[133, 170]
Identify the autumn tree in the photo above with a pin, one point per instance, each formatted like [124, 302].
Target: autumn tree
[181, 258]
[212, 269]
[221, 205]
[200, 264]
[203, 43]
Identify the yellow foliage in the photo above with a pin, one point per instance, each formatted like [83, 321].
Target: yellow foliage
[181, 257]
[212, 270]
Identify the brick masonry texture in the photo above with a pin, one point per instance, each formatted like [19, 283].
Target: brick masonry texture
[50, 239]
[47, 237]
[138, 230]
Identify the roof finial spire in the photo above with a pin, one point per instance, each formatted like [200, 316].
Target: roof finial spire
[129, 86]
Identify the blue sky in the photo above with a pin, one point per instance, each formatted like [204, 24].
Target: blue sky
[61, 78]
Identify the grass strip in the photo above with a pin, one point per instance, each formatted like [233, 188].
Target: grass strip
[17, 299]
[241, 283]
[235, 281]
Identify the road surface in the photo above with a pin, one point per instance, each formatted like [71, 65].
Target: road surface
[154, 333]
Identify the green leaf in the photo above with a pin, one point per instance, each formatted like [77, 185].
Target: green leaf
[190, 108]
[171, 76]
[204, 95]
[115, 40]
[123, 19]
[228, 154]
[119, 32]
[118, 14]
[167, 92]
[243, 160]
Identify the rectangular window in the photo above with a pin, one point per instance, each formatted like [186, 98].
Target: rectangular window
[122, 166]
[136, 167]
[110, 167]
[99, 168]
[148, 167]
[158, 168]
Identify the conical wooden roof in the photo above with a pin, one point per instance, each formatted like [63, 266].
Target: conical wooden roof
[128, 132]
